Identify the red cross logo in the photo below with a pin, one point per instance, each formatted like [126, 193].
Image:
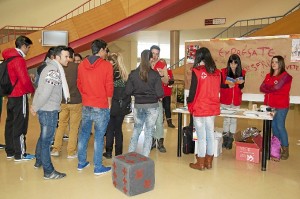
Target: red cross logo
[203, 75]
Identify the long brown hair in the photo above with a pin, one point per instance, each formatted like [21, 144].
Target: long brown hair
[145, 65]
[281, 65]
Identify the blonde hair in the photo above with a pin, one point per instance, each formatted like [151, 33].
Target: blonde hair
[118, 64]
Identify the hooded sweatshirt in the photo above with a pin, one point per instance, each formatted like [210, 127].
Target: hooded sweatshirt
[95, 81]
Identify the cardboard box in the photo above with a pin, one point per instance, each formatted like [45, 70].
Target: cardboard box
[250, 152]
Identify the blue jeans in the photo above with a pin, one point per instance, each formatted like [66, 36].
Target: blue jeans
[278, 126]
[159, 125]
[100, 117]
[147, 117]
[205, 135]
[48, 122]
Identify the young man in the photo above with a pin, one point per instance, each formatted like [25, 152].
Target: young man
[95, 83]
[70, 114]
[17, 105]
[161, 68]
[46, 103]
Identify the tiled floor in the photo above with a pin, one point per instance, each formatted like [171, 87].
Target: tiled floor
[174, 179]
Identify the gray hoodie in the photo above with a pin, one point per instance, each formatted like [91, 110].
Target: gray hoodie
[48, 95]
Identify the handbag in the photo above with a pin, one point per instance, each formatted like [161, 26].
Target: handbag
[275, 149]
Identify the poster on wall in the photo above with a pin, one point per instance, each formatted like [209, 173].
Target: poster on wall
[255, 53]
[295, 54]
[190, 53]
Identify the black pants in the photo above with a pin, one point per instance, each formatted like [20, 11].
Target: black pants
[114, 130]
[16, 126]
[167, 106]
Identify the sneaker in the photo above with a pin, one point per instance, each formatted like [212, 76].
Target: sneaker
[10, 156]
[72, 156]
[55, 153]
[2, 146]
[54, 175]
[82, 166]
[101, 170]
[107, 155]
[65, 137]
[25, 157]
[37, 165]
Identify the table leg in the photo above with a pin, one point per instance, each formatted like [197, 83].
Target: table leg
[179, 141]
[266, 144]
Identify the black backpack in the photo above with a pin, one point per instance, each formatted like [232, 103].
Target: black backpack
[188, 145]
[6, 86]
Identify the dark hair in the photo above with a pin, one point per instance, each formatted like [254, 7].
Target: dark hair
[145, 65]
[155, 47]
[97, 45]
[238, 71]
[78, 55]
[59, 49]
[281, 65]
[50, 53]
[22, 40]
[71, 52]
[203, 54]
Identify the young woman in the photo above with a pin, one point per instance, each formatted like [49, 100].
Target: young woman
[276, 86]
[204, 105]
[233, 80]
[118, 109]
[145, 85]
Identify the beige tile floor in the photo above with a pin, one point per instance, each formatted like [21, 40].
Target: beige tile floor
[174, 179]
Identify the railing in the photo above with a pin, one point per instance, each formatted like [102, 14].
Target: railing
[243, 28]
[178, 64]
[9, 33]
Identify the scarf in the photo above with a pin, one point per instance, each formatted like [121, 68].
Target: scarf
[65, 86]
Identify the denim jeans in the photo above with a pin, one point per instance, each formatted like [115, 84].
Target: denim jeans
[100, 117]
[48, 122]
[159, 125]
[229, 124]
[205, 134]
[278, 126]
[143, 117]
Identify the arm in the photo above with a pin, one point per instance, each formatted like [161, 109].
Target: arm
[158, 88]
[109, 84]
[164, 75]
[193, 88]
[23, 77]
[242, 82]
[223, 85]
[129, 85]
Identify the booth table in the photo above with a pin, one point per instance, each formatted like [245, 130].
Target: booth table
[266, 117]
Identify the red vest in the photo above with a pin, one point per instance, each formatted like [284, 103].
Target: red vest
[230, 95]
[279, 98]
[206, 101]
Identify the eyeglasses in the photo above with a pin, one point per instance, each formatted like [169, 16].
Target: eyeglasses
[233, 61]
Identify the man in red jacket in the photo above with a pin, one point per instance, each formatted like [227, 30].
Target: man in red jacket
[17, 105]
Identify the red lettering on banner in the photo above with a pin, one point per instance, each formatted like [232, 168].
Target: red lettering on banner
[248, 52]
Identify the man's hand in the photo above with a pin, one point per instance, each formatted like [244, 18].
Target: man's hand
[32, 111]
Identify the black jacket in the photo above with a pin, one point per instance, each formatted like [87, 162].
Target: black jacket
[144, 92]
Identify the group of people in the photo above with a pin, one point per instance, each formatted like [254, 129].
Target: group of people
[212, 88]
[72, 93]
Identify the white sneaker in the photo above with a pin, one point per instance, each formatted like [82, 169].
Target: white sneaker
[55, 153]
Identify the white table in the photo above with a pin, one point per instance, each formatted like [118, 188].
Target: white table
[264, 116]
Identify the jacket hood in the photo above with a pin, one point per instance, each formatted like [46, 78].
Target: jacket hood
[91, 61]
[10, 52]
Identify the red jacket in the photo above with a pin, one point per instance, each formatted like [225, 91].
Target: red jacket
[277, 90]
[206, 101]
[168, 88]
[17, 71]
[95, 82]
[233, 95]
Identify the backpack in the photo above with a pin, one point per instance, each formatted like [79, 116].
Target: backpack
[6, 86]
[188, 143]
[275, 148]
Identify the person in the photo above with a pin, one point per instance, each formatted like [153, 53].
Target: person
[166, 101]
[161, 68]
[117, 113]
[70, 114]
[40, 68]
[95, 83]
[2, 146]
[145, 85]
[17, 104]
[232, 83]
[77, 58]
[276, 86]
[204, 104]
[46, 103]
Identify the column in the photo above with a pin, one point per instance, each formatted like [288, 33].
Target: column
[174, 46]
